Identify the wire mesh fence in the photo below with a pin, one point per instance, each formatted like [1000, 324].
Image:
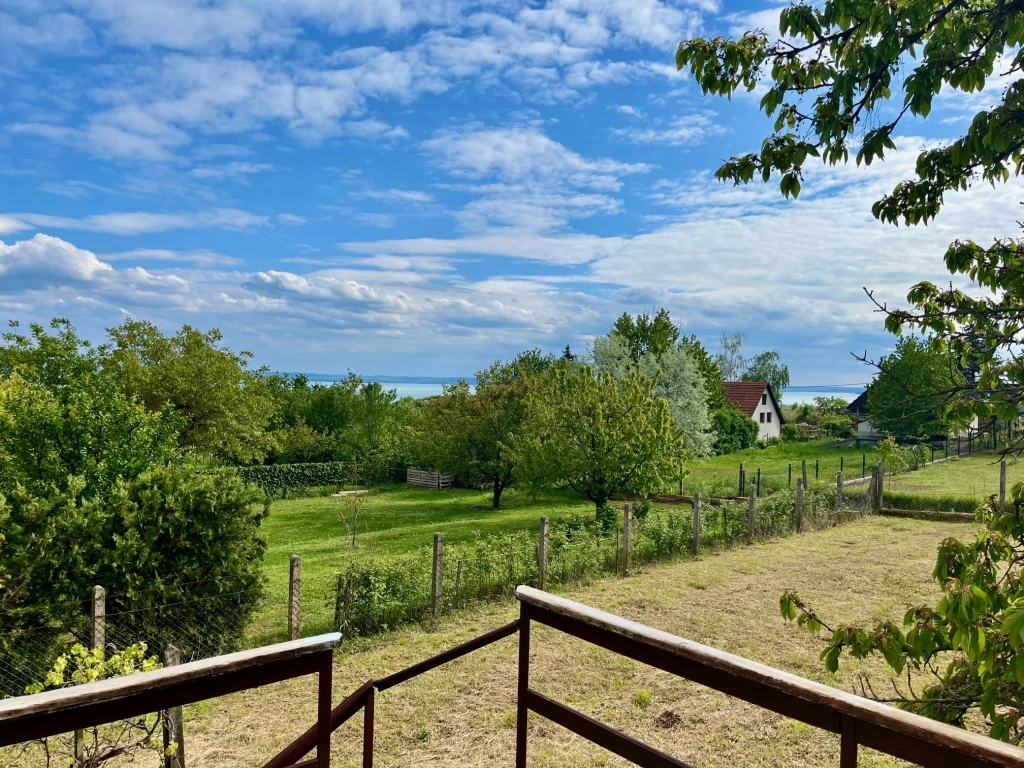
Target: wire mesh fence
[957, 485]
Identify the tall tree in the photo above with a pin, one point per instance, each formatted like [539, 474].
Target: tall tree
[910, 397]
[677, 380]
[587, 432]
[830, 80]
[647, 335]
[225, 408]
[768, 366]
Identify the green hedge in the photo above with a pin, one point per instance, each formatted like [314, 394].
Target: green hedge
[278, 478]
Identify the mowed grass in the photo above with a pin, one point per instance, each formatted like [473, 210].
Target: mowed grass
[399, 520]
[464, 714]
[975, 477]
[778, 457]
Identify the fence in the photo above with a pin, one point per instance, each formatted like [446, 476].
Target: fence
[858, 721]
[960, 485]
[730, 482]
[429, 479]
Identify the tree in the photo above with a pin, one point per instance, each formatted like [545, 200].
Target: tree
[831, 406]
[587, 432]
[768, 366]
[678, 382]
[730, 360]
[969, 646]
[647, 335]
[714, 382]
[829, 87]
[470, 434]
[225, 408]
[909, 399]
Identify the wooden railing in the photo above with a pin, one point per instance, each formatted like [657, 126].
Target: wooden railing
[25, 718]
[858, 721]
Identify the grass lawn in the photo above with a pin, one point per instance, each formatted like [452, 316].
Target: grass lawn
[975, 478]
[464, 714]
[396, 520]
[780, 456]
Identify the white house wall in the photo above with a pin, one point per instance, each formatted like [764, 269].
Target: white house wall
[767, 429]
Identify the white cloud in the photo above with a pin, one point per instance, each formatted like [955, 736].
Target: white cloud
[234, 170]
[686, 130]
[290, 219]
[137, 222]
[198, 258]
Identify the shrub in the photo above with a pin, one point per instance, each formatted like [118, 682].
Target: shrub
[735, 430]
[277, 479]
[790, 433]
[836, 425]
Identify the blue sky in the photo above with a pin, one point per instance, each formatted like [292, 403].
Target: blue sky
[419, 188]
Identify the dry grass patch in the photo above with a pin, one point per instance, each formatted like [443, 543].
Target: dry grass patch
[464, 714]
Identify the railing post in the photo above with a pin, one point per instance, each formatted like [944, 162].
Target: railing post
[174, 725]
[1002, 483]
[695, 547]
[437, 582]
[627, 539]
[368, 716]
[523, 684]
[848, 742]
[294, 598]
[798, 517]
[542, 555]
[323, 711]
[751, 517]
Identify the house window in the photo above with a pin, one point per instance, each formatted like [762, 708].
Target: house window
[769, 417]
[764, 399]
[762, 418]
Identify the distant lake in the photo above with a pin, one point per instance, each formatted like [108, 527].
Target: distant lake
[428, 386]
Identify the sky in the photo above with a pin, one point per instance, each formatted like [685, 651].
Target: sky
[420, 187]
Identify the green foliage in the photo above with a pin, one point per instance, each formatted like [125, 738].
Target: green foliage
[224, 407]
[735, 430]
[712, 376]
[647, 335]
[278, 479]
[828, 82]
[831, 406]
[768, 366]
[101, 744]
[970, 645]
[911, 396]
[598, 436]
[790, 433]
[644, 698]
[835, 425]
[678, 382]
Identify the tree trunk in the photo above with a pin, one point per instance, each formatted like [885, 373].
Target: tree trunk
[496, 499]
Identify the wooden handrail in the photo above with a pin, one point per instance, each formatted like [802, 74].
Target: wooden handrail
[760, 677]
[24, 718]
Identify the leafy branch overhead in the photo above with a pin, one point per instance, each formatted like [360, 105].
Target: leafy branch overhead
[840, 80]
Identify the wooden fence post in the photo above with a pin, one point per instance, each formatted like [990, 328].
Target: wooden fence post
[294, 598]
[437, 585]
[695, 547]
[1002, 483]
[173, 721]
[99, 617]
[803, 471]
[751, 517]
[627, 538]
[798, 518]
[542, 555]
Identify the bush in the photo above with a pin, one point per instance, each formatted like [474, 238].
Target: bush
[278, 479]
[735, 430]
[790, 433]
[837, 426]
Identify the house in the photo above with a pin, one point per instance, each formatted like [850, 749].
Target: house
[757, 400]
[858, 411]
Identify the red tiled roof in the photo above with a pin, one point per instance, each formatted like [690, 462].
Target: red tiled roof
[747, 396]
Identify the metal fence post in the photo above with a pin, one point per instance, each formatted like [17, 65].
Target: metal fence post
[815, 469]
[758, 482]
[840, 463]
[1002, 483]
[839, 490]
[437, 580]
[863, 465]
[695, 547]
[789, 478]
[751, 517]
[803, 471]
[743, 479]
[295, 598]
[798, 517]
[947, 447]
[542, 555]
[627, 538]
[173, 721]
